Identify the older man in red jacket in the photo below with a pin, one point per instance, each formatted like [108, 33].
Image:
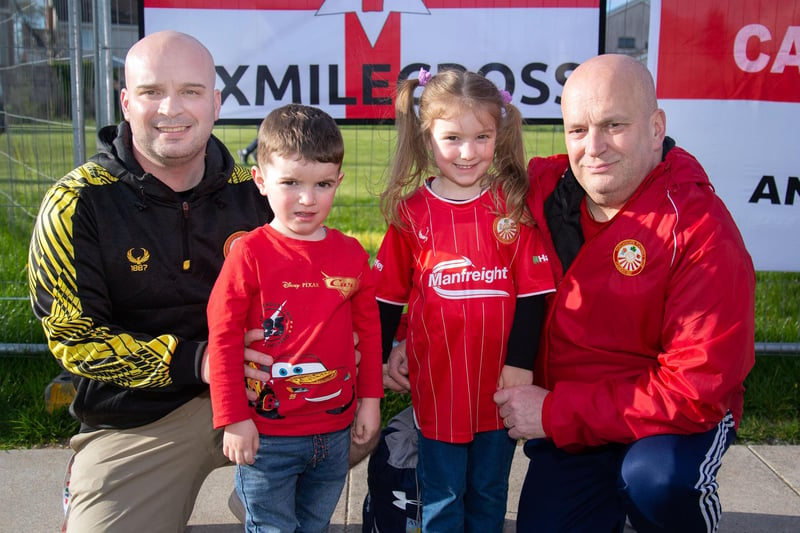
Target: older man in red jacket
[650, 334]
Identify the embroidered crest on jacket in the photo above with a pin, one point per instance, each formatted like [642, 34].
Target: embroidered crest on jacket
[138, 263]
[629, 257]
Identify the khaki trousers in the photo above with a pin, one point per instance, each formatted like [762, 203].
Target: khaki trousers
[143, 479]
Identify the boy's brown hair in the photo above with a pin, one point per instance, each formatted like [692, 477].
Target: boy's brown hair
[303, 131]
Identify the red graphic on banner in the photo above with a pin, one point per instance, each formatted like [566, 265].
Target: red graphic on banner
[733, 50]
[379, 63]
[367, 5]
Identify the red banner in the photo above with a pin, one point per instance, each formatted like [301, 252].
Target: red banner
[730, 50]
[367, 5]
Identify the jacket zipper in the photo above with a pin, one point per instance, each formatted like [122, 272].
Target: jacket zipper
[186, 264]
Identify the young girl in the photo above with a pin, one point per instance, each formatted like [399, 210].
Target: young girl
[461, 252]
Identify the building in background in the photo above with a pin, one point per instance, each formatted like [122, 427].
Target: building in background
[627, 28]
[35, 54]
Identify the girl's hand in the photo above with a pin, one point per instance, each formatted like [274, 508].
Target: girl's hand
[395, 372]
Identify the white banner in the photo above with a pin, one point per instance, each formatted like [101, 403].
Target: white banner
[346, 56]
[730, 86]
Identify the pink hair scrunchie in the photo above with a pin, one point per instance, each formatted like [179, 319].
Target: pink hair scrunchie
[424, 77]
[506, 96]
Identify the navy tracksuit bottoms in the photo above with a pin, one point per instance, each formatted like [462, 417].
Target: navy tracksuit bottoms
[660, 483]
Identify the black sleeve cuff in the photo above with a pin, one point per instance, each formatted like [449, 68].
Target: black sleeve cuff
[523, 341]
[390, 319]
[186, 365]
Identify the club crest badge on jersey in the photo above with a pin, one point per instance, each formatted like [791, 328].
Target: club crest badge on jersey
[629, 257]
[505, 229]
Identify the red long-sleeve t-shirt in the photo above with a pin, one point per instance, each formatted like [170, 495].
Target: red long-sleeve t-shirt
[308, 297]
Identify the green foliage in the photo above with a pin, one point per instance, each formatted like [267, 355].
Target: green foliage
[392, 404]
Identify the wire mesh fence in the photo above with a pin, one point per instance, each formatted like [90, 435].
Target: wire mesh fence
[43, 119]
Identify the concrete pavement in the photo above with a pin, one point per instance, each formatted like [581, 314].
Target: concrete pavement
[759, 487]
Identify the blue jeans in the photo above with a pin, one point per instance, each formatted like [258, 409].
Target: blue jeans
[662, 483]
[295, 482]
[464, 487]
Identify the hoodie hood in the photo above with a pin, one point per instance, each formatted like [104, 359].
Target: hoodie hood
[681, 166]
[115, 153]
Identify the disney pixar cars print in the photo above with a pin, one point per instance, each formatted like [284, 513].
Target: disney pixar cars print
[301, 384]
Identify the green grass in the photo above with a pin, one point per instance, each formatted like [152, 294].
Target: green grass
[772, 403]
[24, 421]
[778, 307]
[34, 156]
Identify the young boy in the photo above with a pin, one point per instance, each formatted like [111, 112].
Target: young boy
[309, 287]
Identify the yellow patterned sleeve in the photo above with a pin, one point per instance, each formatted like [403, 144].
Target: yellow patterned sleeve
[84, 346]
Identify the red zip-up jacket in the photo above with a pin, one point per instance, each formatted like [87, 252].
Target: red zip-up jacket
[651, 328]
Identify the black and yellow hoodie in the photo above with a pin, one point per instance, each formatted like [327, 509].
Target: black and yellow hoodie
[120, 268]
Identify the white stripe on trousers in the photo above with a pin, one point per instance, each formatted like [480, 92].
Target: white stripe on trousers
[710, 506]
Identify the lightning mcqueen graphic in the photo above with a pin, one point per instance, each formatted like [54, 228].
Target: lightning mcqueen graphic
[301, 384]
